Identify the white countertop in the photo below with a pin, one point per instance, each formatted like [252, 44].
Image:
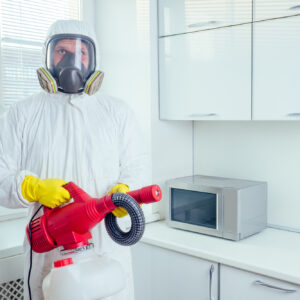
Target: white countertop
[274, 253]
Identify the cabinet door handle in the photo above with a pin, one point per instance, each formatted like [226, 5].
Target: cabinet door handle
[293, 115]
[202, 115]
[296, 7]
[211, 271]
[274, 287]
[202, 24]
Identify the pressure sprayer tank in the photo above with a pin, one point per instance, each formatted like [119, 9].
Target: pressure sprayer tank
[83, 275]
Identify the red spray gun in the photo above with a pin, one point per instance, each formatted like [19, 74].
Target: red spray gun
[69, 226]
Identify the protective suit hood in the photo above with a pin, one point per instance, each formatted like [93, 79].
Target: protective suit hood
[71, 27]
[71, 83]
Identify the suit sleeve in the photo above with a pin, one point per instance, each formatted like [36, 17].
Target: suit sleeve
[11, 178]
[135, 169]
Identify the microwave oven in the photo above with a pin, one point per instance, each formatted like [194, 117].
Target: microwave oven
[224, 207]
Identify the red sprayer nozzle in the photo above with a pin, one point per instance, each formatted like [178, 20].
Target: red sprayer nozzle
[148, 194]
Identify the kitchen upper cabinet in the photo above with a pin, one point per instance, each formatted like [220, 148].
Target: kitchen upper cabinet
[237, 284]
[276, 69]
[241, 72]
[162, 274]
[206, 75]
[179, 16]
[269, 9]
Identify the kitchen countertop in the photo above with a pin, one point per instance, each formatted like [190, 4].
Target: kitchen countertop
[272, 252]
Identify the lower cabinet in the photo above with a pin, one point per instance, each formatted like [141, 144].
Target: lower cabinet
[162, 274]
[236, 284]
[11, 277]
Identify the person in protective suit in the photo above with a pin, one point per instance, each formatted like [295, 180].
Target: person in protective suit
[70, 132]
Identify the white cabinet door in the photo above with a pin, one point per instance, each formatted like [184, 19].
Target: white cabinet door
[206, 75]
[179, 16]
[269, 9]
[241, 285]
[141, 264]
[171, 275]
[276, 69]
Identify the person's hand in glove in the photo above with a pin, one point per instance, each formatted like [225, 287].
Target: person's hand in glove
[119, 212]
[49, 192]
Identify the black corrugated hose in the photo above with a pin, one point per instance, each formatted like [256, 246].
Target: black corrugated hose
[137, 221]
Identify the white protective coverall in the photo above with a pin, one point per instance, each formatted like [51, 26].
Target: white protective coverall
[90, 140]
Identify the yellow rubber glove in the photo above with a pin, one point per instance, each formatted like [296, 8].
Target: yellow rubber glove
[48, 192]
[119, 212]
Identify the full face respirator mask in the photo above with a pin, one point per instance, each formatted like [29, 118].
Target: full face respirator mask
[70, 65]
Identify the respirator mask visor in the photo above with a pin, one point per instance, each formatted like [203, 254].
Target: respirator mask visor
[71, 59]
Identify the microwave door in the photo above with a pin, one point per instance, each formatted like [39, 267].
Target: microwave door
[196, 210]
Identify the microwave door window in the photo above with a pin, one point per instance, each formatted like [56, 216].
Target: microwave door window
[191, 207]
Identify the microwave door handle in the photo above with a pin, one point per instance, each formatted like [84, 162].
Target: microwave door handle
[211, 271]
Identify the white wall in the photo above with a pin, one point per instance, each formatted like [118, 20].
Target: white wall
[256, 150]
[128, 46]
[123, 40]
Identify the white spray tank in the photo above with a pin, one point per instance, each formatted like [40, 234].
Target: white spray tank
[83, 275]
